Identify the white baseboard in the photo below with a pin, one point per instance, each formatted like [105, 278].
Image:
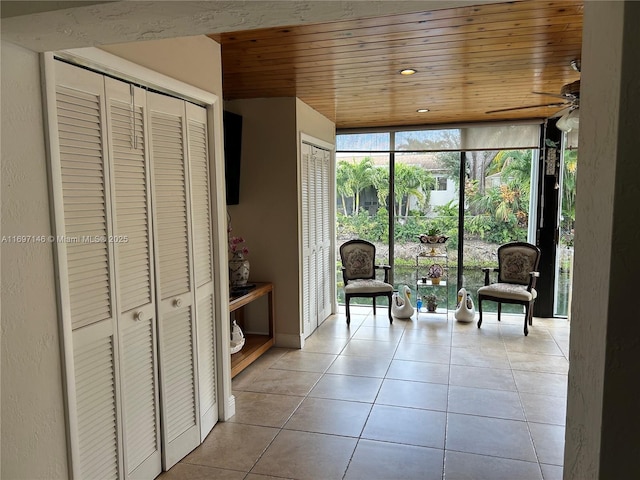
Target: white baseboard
[230, 409]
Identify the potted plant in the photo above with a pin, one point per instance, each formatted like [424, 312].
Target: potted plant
[435, 272]
[433, 235]
[431, 302]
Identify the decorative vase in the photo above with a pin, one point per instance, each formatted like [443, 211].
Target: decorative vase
[238, 270]
[431, 307]
[435, 281]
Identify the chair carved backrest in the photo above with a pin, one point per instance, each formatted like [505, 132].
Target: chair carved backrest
[358, 259]
[515, 261]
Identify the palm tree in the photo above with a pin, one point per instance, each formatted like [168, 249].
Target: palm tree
[507, 203]
[412, 181]
[360, 177]
[343, 187]
[516, 167]
[380, 181]
[569, 189]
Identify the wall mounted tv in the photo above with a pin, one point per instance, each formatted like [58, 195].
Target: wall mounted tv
[232, 126]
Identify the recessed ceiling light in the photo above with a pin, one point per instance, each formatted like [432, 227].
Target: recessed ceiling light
[422, 110]
[407, 71]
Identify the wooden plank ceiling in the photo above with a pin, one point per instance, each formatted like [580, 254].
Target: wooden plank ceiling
[469, 60]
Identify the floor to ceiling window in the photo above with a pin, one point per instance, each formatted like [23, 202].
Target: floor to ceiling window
[567, 218]
[426, 185]
[362, 189]
[498, 209]
[394, 185]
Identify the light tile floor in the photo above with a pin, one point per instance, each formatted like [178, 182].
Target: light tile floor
[419, 399]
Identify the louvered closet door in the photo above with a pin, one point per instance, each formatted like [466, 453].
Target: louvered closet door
[203, 264]
[175, 282]
[313, 243]
[316, 201]
[87, 274]
[308, 241]
[323, 219]
[135, 288]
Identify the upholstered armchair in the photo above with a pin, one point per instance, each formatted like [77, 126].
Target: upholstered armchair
[359, 274]
[517, 275]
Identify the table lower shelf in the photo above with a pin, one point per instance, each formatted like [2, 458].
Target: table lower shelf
[254, 346]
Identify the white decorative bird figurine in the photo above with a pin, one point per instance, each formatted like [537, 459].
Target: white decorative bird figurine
[237, 338]
[401, 305]
[465, 311]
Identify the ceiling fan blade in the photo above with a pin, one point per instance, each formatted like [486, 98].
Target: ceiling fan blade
[561, 112]
[556, 95]
[546, 105]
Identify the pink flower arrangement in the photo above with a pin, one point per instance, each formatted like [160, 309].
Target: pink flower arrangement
[236, 246]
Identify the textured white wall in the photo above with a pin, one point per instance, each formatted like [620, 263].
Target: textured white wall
[313, 123]
[129, 21]
[194, 60]
[602, 407]
[33, 424]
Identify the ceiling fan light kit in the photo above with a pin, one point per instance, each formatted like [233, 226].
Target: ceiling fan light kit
[569, 121]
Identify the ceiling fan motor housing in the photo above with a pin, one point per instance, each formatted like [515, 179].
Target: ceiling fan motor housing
[571, 89]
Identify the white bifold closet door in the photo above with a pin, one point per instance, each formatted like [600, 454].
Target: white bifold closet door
[316, 236]
[101, 186]
[135, 283]
[133, 211]
[309, 262]
[324, 220]
[182, 206]
[175, 289]
[197, 135]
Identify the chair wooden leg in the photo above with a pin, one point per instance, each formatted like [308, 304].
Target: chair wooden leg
[499, 310]
[348, 311]
[480, 310]
[531, 313]
[374, 305]
[390, 299]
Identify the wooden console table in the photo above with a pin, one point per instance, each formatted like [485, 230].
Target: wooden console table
[255, 345]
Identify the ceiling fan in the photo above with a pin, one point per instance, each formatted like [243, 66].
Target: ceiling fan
[568, 108]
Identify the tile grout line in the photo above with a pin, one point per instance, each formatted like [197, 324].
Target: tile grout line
[403, 335]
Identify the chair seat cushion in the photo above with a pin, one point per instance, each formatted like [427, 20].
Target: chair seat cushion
[367, 286]
[508, 291]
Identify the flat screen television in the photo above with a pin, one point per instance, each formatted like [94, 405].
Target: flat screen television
[232, 127]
